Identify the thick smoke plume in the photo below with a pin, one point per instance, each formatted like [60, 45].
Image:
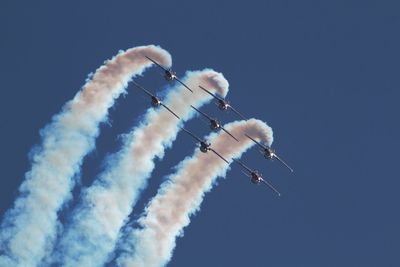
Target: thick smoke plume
[95, 226]
[181, 195]
[29, 228]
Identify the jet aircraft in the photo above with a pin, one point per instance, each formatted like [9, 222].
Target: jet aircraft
[256, 177]
[169, 74]
[204, 145]
[269, 153]
[214, 123]
[155, 101]
[222, 103]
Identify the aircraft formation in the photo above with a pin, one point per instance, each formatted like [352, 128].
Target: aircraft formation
[215, 125]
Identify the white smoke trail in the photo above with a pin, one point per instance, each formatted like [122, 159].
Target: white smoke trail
[28, 229]
[181, 195]
[96, 223]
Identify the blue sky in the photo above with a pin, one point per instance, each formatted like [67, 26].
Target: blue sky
[323, 74]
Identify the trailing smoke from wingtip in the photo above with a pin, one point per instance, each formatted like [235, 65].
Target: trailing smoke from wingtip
[180, 196]
[29, 228]
[93, 231]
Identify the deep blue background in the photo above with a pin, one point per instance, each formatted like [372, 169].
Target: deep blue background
[323, 74]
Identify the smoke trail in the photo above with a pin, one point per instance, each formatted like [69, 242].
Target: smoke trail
[96, 223]
[28, 229]
[181, 195]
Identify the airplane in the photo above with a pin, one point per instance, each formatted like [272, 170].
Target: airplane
[214, 124]
[204, 145]
[222, 103]
[169, 74]
[255, 177]
[155, 101]
[269, 153]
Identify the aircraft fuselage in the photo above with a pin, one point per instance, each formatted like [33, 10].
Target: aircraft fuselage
[214, 125]
[155, 102]
[204, 147]
[255, 178]
[268, 153]
[170, 75]
[222, 105]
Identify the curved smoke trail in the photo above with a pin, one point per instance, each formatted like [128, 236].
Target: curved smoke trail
[181, 195]
[28, 229]
[95, 225]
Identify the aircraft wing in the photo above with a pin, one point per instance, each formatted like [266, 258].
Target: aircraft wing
[223, 129]
[179, 81]
[237, 112]
[216, 97]
[155, 62]
[192, 134]
[283, 162]
[271, 186]
[202, 113]
[241, 164]
[216, 153]
[258, 143]
[144, 90]
[173, 113]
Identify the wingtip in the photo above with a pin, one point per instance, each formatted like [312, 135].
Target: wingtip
[190, 90]
[184, 85]
[237, 140]
[290, 169]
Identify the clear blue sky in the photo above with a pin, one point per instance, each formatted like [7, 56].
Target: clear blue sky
[323, 74]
